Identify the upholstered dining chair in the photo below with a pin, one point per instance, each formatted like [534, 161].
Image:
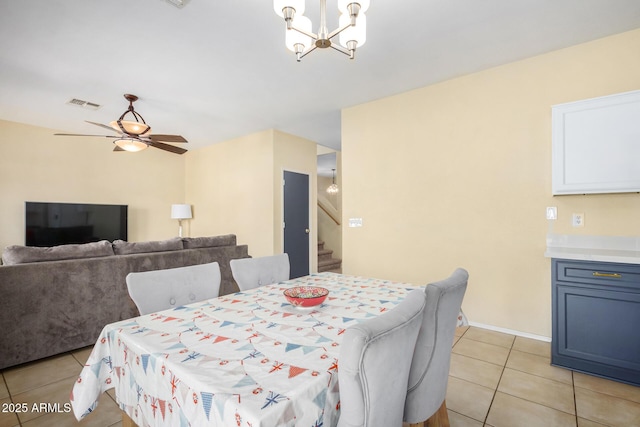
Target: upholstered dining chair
[250, 273]
[425, 402]
[157, 290]
[374, 363]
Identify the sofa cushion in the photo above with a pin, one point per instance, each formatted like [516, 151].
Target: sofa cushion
[25, 254]
[121, 247]
[209, 242]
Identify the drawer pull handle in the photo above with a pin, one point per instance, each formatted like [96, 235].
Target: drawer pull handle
[614, 275]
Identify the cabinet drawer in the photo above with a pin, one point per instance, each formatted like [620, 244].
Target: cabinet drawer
[598, 273]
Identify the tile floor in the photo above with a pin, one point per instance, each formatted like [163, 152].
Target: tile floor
[495, 380]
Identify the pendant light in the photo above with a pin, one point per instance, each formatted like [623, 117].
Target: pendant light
[333, 188]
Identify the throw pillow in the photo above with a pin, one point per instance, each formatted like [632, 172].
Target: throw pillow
[209, 242]
[25, 254]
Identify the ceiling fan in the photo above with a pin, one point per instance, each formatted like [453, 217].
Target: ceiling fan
[135, 134]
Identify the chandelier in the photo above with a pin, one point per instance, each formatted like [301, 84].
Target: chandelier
[302, 41]
[333, 188]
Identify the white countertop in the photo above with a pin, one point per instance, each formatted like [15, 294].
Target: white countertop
[594, 248]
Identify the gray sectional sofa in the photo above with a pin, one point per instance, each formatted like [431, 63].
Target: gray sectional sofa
[58, 299]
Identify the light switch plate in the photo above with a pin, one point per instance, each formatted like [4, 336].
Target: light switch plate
[552, 212]
[355, 222]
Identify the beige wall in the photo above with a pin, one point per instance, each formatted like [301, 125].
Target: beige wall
[233, 186]
[459, 174]
[230, 186]
[236, 187]
[37, 166]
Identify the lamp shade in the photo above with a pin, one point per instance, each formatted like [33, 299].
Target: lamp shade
[181, 212]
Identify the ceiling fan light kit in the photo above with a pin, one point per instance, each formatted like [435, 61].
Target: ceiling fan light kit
[135, 135]
[131, 145]
[300, 39]
[132, 128]
[137, 127]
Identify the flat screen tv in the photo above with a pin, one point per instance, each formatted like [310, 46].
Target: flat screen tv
[51, 224]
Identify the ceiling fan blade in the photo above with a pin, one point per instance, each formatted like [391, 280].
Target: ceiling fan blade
[166, 138]
[81, 134]
[102, 126]
[168, 147]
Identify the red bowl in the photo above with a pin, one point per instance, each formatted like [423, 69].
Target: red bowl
[306, 296]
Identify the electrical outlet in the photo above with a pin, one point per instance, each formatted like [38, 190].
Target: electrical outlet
[577, 220]
[552, 212]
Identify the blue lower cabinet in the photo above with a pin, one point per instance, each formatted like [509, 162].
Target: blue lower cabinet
[596, 318]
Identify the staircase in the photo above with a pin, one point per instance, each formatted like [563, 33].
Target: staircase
[325, 260]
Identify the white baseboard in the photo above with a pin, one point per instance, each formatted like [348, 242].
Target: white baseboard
[511, 331]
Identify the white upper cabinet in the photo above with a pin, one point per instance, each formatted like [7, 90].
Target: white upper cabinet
[596, 145]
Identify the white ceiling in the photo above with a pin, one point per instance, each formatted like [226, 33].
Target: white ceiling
[218, 69]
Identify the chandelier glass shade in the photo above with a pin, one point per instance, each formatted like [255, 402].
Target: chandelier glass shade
[353, 35]
[300, 39]
[130, 144]
[333, 189]
[130, 127]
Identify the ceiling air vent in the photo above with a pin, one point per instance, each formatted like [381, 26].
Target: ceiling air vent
[178, 3]
[84, 104]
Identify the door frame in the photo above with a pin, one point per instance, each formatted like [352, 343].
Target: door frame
[312, 231]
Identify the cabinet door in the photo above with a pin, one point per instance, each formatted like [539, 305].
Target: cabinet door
[595, 145]
[596, 331]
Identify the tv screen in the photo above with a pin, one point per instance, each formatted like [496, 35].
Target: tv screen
[51, 224]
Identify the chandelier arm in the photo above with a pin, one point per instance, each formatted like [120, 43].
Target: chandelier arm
[137, 115]
[312, 35]
[337, 31]
[308, 51]
[349, 53]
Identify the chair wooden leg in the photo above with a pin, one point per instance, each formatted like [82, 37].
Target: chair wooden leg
[440, 418]
[416, 425]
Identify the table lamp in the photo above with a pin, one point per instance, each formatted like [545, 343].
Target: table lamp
[180, 212]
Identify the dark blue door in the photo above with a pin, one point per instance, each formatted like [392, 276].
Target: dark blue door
[296, 222]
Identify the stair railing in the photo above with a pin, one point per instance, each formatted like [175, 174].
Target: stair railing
[328, 208]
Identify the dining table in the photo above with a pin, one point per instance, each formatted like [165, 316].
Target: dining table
[249, 359]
